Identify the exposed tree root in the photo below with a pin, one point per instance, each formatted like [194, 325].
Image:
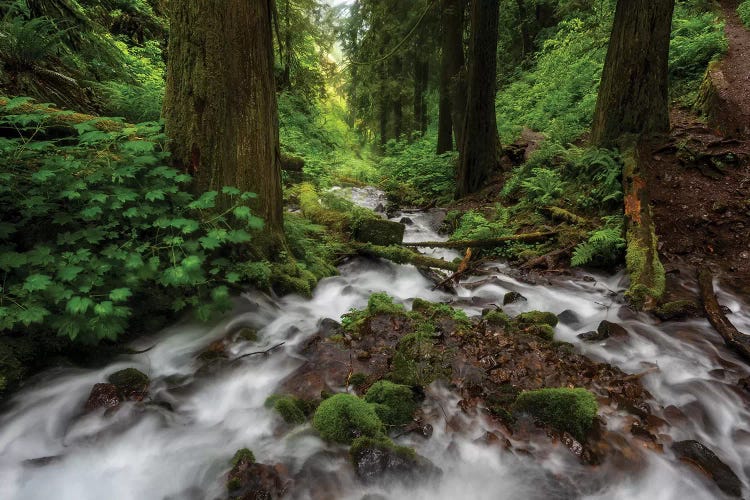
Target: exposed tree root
[733, 338]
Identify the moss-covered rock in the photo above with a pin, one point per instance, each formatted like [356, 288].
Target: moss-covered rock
[293, 410]
[677, 310]
[418, 361]
[130, 382]
[380, 232]
[497, 318]
[354, 321]
[394, 403]
[567, 410]
[344, 417]
[537, 318]
[243, 456]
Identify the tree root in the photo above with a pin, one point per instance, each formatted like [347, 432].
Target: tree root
[733, 338]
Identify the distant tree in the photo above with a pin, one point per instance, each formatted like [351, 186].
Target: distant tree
[634, 92]
[220, 107]
[479, 153]
[452, 102]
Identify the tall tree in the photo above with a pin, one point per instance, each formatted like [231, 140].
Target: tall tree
[452, 42]
[634, 92]
[220, 107]
[478, 155]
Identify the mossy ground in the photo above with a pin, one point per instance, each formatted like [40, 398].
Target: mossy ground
[394, 403]
[343, 417]
[293, 411]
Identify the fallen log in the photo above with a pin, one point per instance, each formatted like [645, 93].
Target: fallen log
[400, 255]
[733, 338]
[486, 243]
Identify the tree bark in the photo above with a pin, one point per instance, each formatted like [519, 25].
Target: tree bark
[733, 338]
[481, 144]
[421, 79]
[452, 43]
[220, 107]
[634, 93]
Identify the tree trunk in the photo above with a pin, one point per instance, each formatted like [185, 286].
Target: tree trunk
[479, 153]
[634, 93]
[396, 98]
[452, 60]
[421, 78]
[523, 26]
[220, 106]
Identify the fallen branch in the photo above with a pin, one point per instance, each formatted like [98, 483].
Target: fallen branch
[266, 352]
[486, 243]
[733, 338]
[401, 255]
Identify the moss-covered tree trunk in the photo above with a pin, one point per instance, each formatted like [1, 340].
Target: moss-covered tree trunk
[480, 142]
[452, 59]
[634, 92]
[220, 107]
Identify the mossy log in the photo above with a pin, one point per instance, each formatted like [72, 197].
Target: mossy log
[557, 213]
[715, 103]
[401, 255]
[647, 278]
[485, 243]
[65, 120]
[733, 338]
[291, 163]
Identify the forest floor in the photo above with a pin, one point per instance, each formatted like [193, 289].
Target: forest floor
[701, 183]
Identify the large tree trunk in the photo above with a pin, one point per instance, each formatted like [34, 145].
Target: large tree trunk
[220, 107]
[479, 153]
[452, 41]
[397, 102]
[634, 93]
[421, 79]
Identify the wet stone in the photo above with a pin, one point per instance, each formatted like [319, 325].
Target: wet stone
[512, 298]
[569, 318]
[102, 396]
[328, 327]
[406, 221]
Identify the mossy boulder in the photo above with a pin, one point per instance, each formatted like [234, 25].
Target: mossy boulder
[418, 361]
[131, 383]
[537, 318]
[394, 403]
[243, 456]
[380, 232]
[678, 309]
[344, 417]
[356, 321]
[497, 318]
[251, 480]
[567, 410]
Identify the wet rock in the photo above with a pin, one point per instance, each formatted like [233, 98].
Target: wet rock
[380, 208]
[437, 278]
[249, 480]
[328, 327]
[406, 221]
[43, 461]
[375, 459]
[380, 232]
[678, 309]
[102, 396]
[569, 318]
[512, 298]
[706, 461]
[246, 333]
[605, 330]
[130, 383]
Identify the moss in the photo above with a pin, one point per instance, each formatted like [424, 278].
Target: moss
[292, 410]
[343, 417]
[497, 318]
[537, 318]
[677, 309]
[291, 278]
[380, 232]
[394, 403]
[435, 310]
[129, 379]
[378, 303]
[567, 410]
[243, 456]
[358, 379]
[234, 484]
[546, 332]
[365, 443]
[247, 334]
[402, 255]
[417, 360]
[647, 275]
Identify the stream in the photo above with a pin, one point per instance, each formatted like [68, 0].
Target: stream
[178, 443]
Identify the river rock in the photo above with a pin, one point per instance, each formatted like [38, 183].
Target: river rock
[569, 318]
[130, 383]
[254, 481]
[102, 396]
[406, 221]
[605, 330]
[376, 460]
[380, 232]
[328, 327]
[512, 298]
[678, 309]
[706, 461]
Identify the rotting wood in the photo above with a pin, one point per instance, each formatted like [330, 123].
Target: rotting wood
[485, 243]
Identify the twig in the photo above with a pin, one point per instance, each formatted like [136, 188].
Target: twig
[266, 352]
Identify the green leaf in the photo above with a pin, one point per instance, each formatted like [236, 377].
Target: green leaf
[69, 273]
[242, 212]
[120, 294]
[191, 262]
[37, 282]
[238, 236]
[231, 191]
[79, 305]
[206, 200]
[12, 260]
[233, 277]
[105, 308]
[209, 242]
[32, 314]
[156, 194]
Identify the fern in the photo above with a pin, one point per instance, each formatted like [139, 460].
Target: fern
[26, 44]
[543, 186]
[604, 246]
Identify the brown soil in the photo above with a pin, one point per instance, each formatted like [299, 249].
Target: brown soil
[700, 185]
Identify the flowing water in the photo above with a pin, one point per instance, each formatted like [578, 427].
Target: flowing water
[177, 445]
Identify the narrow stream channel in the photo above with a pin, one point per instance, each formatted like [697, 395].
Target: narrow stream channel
[178, 444]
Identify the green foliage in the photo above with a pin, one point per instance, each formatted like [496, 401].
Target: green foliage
[475, 226]
[598, 177]
[604, 247]
[414, 175]
[743, 10]
[26, 44]
[537, 318]
[243, 456]
[417, 360]
[378, 303]
[497, 318]
[342, 417]
[543, 186]
[567, 410]
[97, 226]
[394, 403]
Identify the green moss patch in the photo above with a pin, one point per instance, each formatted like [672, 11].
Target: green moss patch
[343, 417]
[293, 410]
[537, 318]
[567, 410]
[394, 403]
[243, 456]
[364, 444]
[129, 379]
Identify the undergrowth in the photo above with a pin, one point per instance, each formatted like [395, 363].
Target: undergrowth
[743, 10]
